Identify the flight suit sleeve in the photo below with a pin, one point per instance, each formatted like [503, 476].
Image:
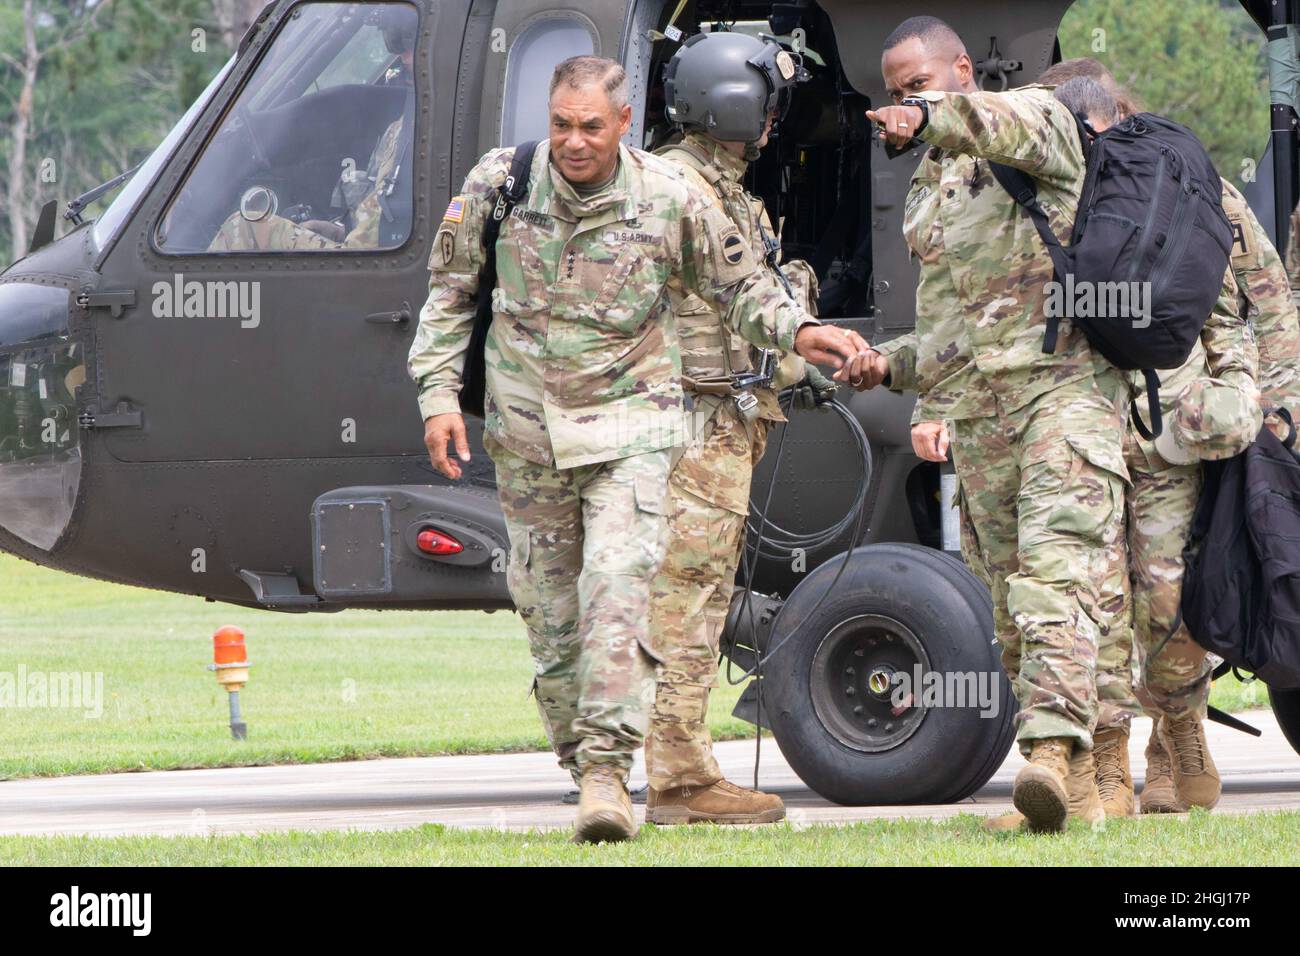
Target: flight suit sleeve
[437, 356]
[1028, 129]
[718, 265]
[901, 355]
[1229, 341]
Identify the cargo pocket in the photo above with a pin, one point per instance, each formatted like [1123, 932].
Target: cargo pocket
[621, 311]
[519, 579]
[651, 495]
[970, 542]
[1091, 494]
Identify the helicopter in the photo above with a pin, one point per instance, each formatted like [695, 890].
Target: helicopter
[203, 389]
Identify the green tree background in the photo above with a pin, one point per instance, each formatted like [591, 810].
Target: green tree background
[1199, 62]
[103, 81]
[108, 80]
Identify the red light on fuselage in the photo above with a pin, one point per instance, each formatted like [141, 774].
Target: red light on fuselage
[431, 541]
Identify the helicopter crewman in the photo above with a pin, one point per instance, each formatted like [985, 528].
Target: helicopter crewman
[724, 90]
[584, 399]
[368, 195]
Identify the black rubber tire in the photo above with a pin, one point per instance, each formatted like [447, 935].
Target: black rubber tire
[953, 751]
[1286, 707]
[998, 752]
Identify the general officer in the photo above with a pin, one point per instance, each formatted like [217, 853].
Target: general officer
[584, 399]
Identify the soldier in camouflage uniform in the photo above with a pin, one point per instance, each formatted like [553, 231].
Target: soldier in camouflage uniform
[1043, 516]
[1148, 654]
[709, 485]
[584, 399]
[1159, 504]
[239, 234]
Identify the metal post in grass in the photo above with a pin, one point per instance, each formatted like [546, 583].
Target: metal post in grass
[230, 661]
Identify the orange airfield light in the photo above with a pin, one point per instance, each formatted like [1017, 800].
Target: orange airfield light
[230, 661]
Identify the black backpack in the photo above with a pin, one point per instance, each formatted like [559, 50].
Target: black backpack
[1150, 211]
[473, 378]
[1241, 587]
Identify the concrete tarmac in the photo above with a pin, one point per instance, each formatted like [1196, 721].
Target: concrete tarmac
[515, 792]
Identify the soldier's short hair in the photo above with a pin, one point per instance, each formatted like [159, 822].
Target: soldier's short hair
[934, 34]
[1125, 101]
[1083, 94]
[579, 71]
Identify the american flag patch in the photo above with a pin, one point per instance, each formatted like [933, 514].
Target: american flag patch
[455, 210]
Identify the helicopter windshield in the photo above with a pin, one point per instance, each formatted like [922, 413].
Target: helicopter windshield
[107, 224]
[314, 154]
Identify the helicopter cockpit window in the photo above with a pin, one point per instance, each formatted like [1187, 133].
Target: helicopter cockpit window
[315, 154]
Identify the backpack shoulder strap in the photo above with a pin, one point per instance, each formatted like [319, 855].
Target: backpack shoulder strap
[510, 194]
[1022, 188]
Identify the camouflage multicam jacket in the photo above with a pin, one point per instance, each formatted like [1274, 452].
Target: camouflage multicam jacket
[708, 349]
[1266, 302]
[984, 270]
[583, 361]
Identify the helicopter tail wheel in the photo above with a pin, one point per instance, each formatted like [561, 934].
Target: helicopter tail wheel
[1286, 707]
[891, 690]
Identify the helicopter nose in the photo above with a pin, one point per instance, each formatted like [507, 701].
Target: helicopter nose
[41, 367]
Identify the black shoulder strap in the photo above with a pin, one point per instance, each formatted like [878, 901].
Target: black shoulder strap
[510, 194]
[1022, 188]
[1153, 407]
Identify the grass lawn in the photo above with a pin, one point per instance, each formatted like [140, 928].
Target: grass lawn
[1261, 839]
[324, 687]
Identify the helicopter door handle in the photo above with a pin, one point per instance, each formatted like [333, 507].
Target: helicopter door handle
[400, 317]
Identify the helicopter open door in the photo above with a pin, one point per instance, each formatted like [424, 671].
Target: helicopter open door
[279, 260]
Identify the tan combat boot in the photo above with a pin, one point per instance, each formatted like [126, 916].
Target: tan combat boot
[604, 807]
[1041, 791]
[1084, 797]
[1196, 779]
[1158, 790]
[720, 802]
[1114, 779]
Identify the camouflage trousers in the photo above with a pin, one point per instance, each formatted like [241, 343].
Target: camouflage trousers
[1144, 663]
[585, 544]
[689, 602]
[1042, 504]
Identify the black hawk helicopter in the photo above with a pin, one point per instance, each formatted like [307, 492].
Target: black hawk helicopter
[203, 390]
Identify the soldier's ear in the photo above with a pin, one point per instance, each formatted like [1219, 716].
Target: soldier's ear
[964, 69]
[624, 119]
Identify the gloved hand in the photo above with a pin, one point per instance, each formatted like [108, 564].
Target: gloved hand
[814, 390]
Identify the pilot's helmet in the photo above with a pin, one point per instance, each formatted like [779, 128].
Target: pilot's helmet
[399, 23]
[727, 84]
[1212, 419]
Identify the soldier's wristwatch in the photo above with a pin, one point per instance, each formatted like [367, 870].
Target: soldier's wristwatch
[923, 106]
